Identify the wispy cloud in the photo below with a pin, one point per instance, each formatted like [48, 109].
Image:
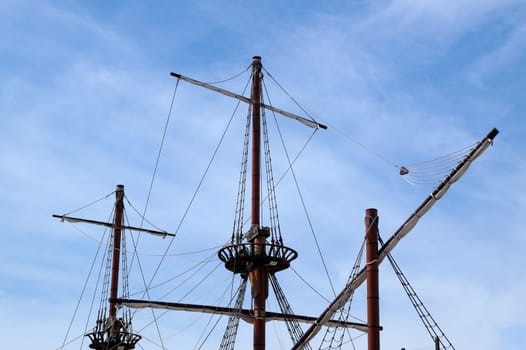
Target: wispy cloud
[508, 53]
[85, 93]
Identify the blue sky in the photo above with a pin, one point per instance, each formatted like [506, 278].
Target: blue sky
[84, 94]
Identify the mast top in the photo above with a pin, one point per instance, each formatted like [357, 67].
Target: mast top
[256, 66]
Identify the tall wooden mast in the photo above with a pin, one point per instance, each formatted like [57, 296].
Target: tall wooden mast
[259, 273]
[255, 96]
[254, 255]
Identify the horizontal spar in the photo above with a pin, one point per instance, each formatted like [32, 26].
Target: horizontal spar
[305, 121]
[112, 225]
[244, 314]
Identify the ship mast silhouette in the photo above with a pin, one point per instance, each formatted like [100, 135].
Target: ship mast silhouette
[112, 331]
[258, 253]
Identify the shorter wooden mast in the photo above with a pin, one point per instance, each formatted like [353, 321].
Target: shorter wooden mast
[116, 253]
[373, 294]
[114, 332]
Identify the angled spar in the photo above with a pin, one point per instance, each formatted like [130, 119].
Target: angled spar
[402, 231]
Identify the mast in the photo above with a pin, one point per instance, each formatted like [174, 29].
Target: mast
[112, 331]
[373, 305]
[251, 253]
[256, 138]
[119, 209]
[259, 273]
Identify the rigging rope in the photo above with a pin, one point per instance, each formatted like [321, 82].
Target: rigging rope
[70, 342]
[168, 117]
[237, 232]
[229, 337]
[103, 307]
[334, 337]
[180, 299]
[205, 261]
[189, 278]
[429, 322]
[187, 210]
[90, 204]
[232, 77]
[197, 285]
[363, 146]
[125, 282]
[165, 312]
[289, 166]
[292, 324]
[214, 248]
[143, 218]
[134, 255]
[147, 292]
[286, 93]
[436, 169]
[276, 237]
[412, 174]
[301, 196]
[309, 285]
[83, 291]
[148, 340]
[218, 317]
[86, 234]
[331, 127]
[143, 215]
